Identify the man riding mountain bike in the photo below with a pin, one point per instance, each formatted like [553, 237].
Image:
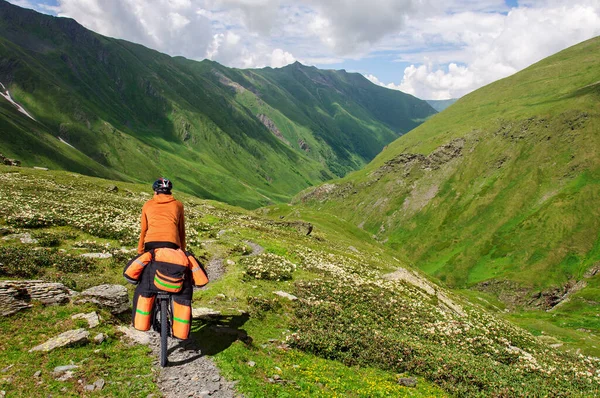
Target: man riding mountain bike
[162, 264]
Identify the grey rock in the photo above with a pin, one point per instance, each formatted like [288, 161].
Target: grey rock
[64, 339]
[407, 381]
[99, 338]
[276, 377]
[89, 387]
[37, 374]
[66, 376]
[285, 295]
[204, 313]
[25, 238]
[112, 188]
[99, 384]
[61, 369]
[97, 255]
[113, 297]
[134, 335]
[251, 364]
[92, 318]
[17, 295]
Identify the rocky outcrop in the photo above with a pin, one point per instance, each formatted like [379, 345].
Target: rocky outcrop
[9, 162]
[264, 119]
[303, 145]
[18, 295]
[72, 337]
[224, 80]
[428, 289]
[515, 295]
[112, 297]
[436, 159]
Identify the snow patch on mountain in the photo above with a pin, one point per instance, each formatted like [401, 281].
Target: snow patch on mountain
[65, 142]
[4, 92]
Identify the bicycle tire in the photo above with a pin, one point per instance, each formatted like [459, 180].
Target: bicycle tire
[163, 332]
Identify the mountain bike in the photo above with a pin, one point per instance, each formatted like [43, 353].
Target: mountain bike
[162, 324]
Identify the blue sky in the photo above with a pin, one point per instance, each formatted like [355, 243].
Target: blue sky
[428, 48]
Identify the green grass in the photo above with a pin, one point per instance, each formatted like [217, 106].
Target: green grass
[126, 369]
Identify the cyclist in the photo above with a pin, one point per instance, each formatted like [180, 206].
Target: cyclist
[163, 223]
[156, 268]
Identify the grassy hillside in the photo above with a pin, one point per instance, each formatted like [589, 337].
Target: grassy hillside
[362, 320]
[128, 112]
[440, 105]
[498, 192]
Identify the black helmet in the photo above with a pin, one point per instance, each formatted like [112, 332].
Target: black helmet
[162, 185]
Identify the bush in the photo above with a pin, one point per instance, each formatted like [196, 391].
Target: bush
[260, 305]
[241, 249]
[70, 263]
[24, 262]
[268, 266]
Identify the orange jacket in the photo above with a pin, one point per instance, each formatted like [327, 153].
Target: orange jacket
[162, 221]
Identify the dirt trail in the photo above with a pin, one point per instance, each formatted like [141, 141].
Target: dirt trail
[190, 372]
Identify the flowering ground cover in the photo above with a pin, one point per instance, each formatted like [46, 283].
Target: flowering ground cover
[361, 322]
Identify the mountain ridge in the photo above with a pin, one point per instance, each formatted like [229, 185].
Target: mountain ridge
[140, 114]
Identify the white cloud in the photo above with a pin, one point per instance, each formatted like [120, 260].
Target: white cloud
[492, 46]
[454, 46]
[170, 26]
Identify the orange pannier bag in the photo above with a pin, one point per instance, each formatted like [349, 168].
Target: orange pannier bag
[170, 268]
[182, 319]
[198, 273]
[134, 268]
[142, 319]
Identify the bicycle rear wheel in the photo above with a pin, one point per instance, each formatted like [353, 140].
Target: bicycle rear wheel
[164, 331]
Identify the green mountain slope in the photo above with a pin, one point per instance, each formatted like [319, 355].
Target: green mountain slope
[440, 105]
[245, 137]
[363, 324]
[500, 191]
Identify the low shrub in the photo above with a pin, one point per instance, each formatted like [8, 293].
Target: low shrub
[268, 266]
[70, 263]
[260, 305]
[24, 262]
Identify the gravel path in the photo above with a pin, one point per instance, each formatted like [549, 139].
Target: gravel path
[190, 372]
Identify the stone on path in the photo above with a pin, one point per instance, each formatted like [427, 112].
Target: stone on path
[285, 295]
[92, 318]
[17, 295]
[113, 297]
[64, 339]
[134, 335]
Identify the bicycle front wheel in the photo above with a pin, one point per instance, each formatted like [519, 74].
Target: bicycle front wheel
[164, 325]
